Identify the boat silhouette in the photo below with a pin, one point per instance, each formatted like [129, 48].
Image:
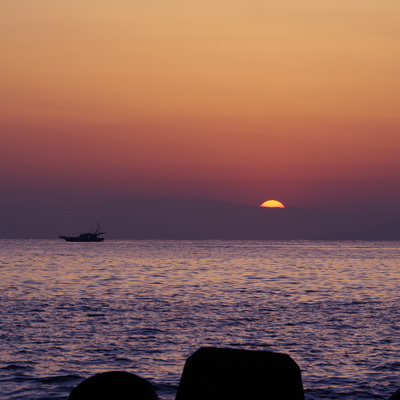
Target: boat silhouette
[86, 237]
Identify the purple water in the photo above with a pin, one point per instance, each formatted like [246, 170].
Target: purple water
[69, 310]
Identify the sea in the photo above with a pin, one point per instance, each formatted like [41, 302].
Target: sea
[71, 310]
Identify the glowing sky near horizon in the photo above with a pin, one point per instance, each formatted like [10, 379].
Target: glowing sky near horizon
[237, 101]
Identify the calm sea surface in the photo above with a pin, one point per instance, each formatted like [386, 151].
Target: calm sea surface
[69, 310]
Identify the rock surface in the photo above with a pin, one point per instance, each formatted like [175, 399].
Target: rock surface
[230, 374]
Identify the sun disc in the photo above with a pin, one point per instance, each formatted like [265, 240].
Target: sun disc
[272, 204]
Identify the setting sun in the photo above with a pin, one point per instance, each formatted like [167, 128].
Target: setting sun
[272, 204]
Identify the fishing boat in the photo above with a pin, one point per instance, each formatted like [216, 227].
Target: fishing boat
[86, 237]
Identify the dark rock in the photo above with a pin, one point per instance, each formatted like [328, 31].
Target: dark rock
[230, 374]
[395, 396]
[114, 385]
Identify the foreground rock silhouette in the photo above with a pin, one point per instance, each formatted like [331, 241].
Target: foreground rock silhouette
[210, 374]
[230, 374]
[395, 396]
[114, 385]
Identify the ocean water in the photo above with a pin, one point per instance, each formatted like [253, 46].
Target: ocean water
[70, 310]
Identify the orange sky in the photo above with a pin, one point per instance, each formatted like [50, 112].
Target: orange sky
[232, 100]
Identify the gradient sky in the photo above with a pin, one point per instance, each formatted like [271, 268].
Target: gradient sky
[241, 101]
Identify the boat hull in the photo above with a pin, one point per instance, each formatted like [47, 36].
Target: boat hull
[79, 239]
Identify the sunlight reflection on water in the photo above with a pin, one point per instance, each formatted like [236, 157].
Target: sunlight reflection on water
[70, 310]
